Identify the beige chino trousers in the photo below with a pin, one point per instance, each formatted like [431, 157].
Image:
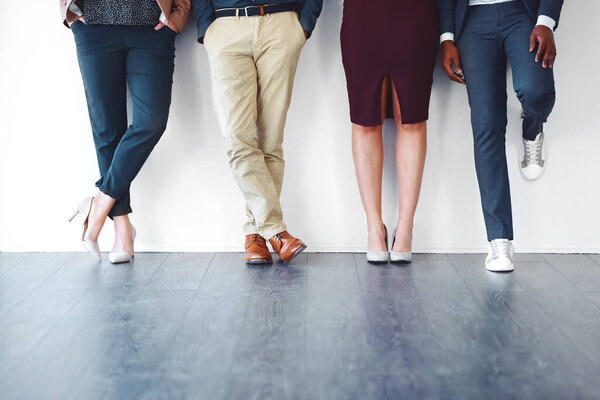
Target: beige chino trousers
[253, 62]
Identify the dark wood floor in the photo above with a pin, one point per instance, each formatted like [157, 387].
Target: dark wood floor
[328, 326]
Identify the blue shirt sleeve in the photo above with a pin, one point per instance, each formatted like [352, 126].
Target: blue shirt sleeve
[311, 9]
[204, 16]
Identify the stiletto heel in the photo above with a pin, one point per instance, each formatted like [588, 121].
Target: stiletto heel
[83, 210]
[379, 257]
[72, 217]
[119, 257]
[399, 257]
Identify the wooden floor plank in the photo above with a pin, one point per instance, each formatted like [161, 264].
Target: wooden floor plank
[579, 269]
[331, 326]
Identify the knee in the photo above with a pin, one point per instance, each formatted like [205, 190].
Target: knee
[488, 121]
[366, 130]
[273, 153]
[413, 128]
[154, 125]
[536, 99]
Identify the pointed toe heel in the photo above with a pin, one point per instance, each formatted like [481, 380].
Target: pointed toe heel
[401, 257]
[379, 257]
[83, 210]
[398, 257]
[121, 257]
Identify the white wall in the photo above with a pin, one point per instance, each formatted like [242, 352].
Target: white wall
[186, 200]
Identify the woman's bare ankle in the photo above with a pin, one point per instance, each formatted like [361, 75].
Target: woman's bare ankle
[123, 234]
[101, 206]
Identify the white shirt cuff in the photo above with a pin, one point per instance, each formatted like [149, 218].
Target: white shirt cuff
[163, 18]
[546, 21]
[446, 36]
[75, 10]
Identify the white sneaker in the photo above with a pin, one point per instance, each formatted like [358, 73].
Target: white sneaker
[500, 255]
[532, 163]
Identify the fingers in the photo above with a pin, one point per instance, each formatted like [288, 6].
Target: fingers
[549, 57]
[456, 62]
[458, 79]
[458, 75]
[447, 67]
[159, 26]
[546, 59]
[542, 45]
[451, 62]
[552, 58]
[532, 42]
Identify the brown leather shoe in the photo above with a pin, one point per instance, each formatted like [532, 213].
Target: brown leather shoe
[257, 251]
[286, 246]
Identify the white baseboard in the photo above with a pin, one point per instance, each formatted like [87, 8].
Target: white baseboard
[317, 249]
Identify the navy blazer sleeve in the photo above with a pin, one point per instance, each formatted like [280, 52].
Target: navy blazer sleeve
[551, 8]
[446, 15]
[203, 14]
[311, 9]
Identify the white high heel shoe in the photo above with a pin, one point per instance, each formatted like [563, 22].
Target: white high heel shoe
[83, 210]
[379, 257]
[119, 257]
[400, 257]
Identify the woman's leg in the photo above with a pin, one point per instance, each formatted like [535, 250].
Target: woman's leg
[367, 149]
[410, 161]
[102, 61]
[123, 234]
[150, 67]
[100, 209]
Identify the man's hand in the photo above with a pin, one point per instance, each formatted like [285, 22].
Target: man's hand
[451, 62]
[543, 37]
[159, 26]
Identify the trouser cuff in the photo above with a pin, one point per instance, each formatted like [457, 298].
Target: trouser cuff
[271, 231]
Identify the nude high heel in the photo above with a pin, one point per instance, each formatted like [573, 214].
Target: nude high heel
[119, 257]
[83, 210]
[400, 257]
[379, 257]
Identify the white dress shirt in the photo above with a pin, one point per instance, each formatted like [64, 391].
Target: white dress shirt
[542, 19]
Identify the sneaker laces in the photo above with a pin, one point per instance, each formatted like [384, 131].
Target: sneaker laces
[500, 248]
[533, 151]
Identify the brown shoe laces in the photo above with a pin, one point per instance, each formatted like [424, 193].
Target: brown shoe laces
[279, 238]
[256, 239]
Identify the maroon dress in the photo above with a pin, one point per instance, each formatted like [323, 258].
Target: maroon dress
[396, 38]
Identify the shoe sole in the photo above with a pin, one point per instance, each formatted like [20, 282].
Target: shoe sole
[400, 261]
[378, 262]
[259, 262]
[500, 270]
[300, 250]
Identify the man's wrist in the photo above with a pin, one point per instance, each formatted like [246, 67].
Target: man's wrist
[546, 21]
[446, 36]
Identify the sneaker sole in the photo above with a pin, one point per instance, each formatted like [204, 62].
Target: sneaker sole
[509, 269]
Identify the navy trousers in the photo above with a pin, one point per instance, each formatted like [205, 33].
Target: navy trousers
[112, 58]
[493, 35]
